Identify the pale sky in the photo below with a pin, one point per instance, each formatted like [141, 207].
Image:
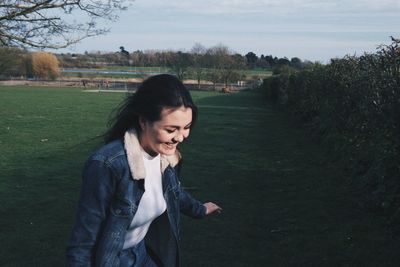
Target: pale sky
[316, 30]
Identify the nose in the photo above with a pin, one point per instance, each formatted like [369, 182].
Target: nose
[178, 137]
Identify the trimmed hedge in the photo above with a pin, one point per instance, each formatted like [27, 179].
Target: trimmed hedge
[353, 103]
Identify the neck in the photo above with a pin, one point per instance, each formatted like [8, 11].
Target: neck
[145, 146]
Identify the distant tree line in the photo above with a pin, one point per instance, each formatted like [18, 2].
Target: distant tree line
[199, 55]
[353, 104]
[217, 64]
[271, 62]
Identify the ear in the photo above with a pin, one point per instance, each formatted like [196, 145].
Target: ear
[142, 123]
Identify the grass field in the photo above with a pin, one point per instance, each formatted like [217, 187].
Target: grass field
[285, 203]
[126, 72]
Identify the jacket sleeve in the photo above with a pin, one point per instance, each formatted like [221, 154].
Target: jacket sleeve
[187, 204]
[191, 206]
[98, 185]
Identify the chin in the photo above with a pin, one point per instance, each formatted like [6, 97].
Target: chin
[167, 151]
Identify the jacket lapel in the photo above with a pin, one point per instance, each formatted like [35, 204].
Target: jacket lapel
[135, 159]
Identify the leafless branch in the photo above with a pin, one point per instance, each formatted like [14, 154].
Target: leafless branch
[49, 23]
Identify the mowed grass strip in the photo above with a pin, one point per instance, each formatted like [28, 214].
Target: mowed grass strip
[285, 203]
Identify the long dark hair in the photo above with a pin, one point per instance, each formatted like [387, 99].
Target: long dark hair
[154, 94]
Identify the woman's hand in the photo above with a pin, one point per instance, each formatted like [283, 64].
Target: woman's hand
[212, 208]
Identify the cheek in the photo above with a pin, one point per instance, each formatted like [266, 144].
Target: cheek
[164, 137]
[186, 133]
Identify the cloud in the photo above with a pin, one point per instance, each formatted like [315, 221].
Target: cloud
[216, 7]
[312, 29]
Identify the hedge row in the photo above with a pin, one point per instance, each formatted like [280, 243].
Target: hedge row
[353, 103]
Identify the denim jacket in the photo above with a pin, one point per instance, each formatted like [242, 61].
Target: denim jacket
[112, 186]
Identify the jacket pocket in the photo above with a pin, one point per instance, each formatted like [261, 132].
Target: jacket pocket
[123, 208]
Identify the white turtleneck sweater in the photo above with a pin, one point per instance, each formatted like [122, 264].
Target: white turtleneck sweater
[152, 203]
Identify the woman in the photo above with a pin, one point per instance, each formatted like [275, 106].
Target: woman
[131, 198]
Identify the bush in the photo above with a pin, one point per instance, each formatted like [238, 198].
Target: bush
[45, 65]
[353, 103]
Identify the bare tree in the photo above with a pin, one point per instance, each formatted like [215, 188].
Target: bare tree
[224, 64]
[53, 23]
[198, 51]
[179, 63]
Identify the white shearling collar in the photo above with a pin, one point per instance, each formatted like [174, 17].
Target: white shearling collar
[135, 160]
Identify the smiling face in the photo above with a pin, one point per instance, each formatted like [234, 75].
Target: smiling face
[163, 136]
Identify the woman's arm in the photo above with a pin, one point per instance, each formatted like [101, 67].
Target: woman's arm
[194, 208]
[98, 186]
[190, 206]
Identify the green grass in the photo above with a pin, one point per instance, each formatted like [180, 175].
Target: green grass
[258, 72]
[143, 71]
[94, 75]
[138, 68]
[93, 72]
[285, 203]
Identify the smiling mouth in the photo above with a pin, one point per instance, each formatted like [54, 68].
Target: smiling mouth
[170, 146]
